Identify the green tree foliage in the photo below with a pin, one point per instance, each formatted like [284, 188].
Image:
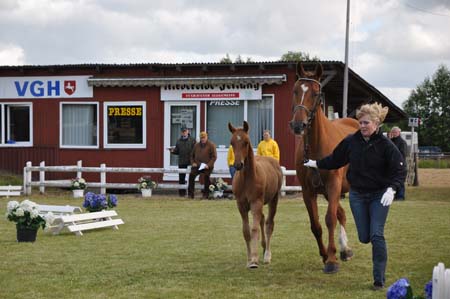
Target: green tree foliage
[239, 59]
[298, 56]
[226, 59]
[431, 102]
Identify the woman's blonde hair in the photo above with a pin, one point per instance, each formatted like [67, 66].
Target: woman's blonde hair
[375, 111]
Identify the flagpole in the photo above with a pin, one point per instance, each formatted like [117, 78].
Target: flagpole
[344, 100]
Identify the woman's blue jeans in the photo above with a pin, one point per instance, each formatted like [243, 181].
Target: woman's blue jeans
[370, 216]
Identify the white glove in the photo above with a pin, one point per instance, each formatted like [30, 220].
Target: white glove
[311, 163]
[388, 197]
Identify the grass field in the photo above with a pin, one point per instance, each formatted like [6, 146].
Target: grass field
[175, 248]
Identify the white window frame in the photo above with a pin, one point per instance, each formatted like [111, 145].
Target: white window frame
[5, 138]
[143, 145]
[61, 125]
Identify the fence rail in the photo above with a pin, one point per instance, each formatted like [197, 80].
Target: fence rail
[28, 183]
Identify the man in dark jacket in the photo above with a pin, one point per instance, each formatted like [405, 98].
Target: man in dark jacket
[183, 148]
[203, 157]
[397, 139]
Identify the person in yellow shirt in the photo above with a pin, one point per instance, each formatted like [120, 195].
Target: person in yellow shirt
[230, 160]
[268, 147]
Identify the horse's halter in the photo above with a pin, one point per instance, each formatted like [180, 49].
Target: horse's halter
[310, 113]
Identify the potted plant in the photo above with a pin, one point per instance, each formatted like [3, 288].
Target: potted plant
[146, 185]
[217, 187]
[98, 202]
[78, 185]
[27, 218]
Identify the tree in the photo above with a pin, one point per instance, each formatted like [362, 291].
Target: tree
[430, 101]
[298, 56]
[226, 59]
[238, 59]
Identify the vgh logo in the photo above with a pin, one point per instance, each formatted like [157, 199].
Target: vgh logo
[70, 86]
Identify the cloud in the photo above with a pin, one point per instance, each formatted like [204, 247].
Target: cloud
[11, 55]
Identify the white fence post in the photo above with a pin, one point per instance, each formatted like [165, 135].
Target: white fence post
[283, 184]
[79, 165]
[103, 178]
[27, 179]
[42, 178]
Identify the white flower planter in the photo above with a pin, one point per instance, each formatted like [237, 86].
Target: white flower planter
[77, 193]
[146, 192]
[217, 194]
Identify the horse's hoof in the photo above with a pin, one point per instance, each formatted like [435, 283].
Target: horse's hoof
[252, 265]
[267, 257]
[346, 255]
[331, 268]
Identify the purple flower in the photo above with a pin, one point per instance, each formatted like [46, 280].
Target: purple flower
[429, 289]
[112, 201]
[97, 202]
[399, 289]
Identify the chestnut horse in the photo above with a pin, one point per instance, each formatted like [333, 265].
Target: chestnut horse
[316, 137]
[257, 182]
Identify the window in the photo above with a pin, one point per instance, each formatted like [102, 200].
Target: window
[219, 114]
[79, 125]
[259, 118]
[258, 113]
[124, 125]
[16, 124]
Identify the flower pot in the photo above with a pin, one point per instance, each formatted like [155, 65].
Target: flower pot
[146, 192]
[26, 234]
[78, 193]
[217, 194]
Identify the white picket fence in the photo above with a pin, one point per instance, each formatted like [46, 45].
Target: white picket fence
[28, 183]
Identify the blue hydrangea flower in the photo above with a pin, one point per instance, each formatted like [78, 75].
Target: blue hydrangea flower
[97, 202]
[112, 201]
[399, 289]
[429, 289]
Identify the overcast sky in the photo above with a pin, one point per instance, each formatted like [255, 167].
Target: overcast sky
[394, 44]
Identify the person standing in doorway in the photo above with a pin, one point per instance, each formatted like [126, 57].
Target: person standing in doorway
[268, 147]
[230, 161]
[183, 148]
[397, 139]
[376, 171]
[203, 157]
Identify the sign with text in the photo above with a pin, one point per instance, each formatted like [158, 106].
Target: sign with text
[209, 92]
[45, 87]
[414, 122]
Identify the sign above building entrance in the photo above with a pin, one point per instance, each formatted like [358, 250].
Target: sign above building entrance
[209, 92]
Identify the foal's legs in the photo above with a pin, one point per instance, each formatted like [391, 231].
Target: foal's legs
[243, 210]
[270, 223]
[256, 208]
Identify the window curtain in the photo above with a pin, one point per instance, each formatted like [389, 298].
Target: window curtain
[79, 123]
[259, 118]
[217, 122]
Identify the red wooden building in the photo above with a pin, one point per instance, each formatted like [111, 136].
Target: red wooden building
[128, 115]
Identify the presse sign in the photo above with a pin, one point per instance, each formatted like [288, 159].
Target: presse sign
[45, 87]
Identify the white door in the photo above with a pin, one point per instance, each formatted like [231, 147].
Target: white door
[176, 116]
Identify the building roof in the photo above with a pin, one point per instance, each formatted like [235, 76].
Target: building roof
[359, 90]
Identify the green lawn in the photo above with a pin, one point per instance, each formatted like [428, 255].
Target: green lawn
[173, 248]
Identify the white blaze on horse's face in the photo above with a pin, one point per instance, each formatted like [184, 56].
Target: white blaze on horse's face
[305, 89]
[238, 137]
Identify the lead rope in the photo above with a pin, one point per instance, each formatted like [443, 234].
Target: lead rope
[316, 180]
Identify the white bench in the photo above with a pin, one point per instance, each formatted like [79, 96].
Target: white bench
[59, 210]
[10, 190]
[77, 223]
